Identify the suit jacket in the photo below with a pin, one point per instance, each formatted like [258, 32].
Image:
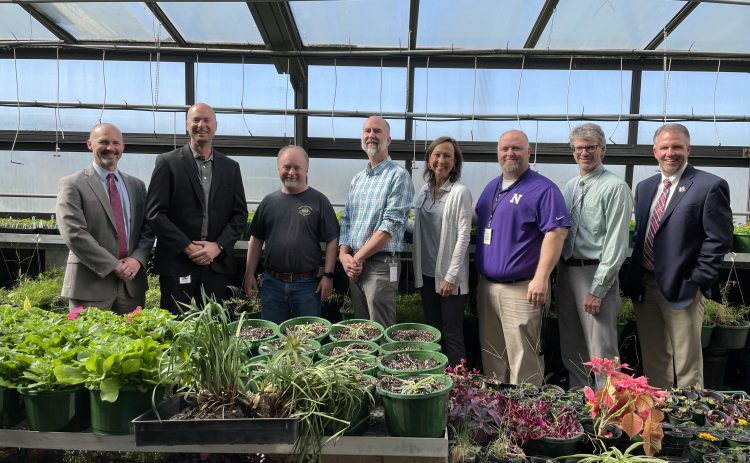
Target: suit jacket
[86, 223]
[175, 210]
[690, 244]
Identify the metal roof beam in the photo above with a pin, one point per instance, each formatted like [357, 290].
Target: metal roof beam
[168, 25]
[279, 31]
[541, 22]
[672, 24]
[51, 26]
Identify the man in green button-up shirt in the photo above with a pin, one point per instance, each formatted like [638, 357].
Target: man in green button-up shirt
[588, 291]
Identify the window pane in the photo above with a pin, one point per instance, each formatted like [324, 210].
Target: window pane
[222, 22]
[364, 23]
[17, 24]
[693, 93]
[370, 90]
[476, 23]
[613, 24]
[727, 25]
[256, 125]
[451, 91]
[106, 21]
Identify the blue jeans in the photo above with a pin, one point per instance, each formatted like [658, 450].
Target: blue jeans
[282, 300]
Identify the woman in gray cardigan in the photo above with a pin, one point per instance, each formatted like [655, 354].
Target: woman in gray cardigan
[442, 224]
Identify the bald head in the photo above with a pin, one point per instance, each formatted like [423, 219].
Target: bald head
[376, 137]
[513, 153]
[105, 142]
[201, 126]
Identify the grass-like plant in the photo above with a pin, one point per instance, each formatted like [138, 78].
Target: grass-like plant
[41, 291]
[615, 455]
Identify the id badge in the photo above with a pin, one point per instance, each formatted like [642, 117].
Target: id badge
[185, 280]
[393, 276]
[487, 236]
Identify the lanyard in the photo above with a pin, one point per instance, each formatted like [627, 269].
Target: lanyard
[497, 198]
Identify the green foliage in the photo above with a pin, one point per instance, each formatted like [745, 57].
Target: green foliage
[742, 229]
[153, 293]
[42, 291]
[614, 455]
[343, 301]
[27, 224]
[409, 308]
[722, 314]
[626, 312]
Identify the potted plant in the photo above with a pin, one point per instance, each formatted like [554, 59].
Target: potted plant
[388, 347]
[409, 308]
[412, 362]
[473, 408]
[503, 449]
[697, 448]
[615, 455]
[335, 349]
[731, 324]
[415, 406]
[627, 401]
[357, 330]
[412, 332]
[741, 241]
[625, 318]
[344, 303]
[316, 328]
[463, 449]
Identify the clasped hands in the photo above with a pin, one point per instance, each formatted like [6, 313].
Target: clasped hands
[202, 252]
[127, 268]
[353, 266]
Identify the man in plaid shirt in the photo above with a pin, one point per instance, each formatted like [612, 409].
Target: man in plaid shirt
[372, 227]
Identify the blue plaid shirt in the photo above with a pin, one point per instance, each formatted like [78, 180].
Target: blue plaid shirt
[379, 199]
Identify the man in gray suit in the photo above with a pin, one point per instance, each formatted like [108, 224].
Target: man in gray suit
[101, 216]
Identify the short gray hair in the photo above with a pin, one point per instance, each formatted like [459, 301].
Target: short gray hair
[286, 148]
[588, 131]
[673, 127]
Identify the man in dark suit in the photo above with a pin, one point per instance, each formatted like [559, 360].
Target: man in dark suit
[196, 206]
[101, 216]
[683, 228]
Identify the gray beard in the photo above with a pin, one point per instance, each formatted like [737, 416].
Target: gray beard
[372, 152]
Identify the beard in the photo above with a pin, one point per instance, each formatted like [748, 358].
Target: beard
[291, 183]
[373, 151]
[511, 166]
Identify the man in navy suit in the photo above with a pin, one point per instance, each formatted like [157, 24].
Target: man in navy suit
[196, 206]
[683, 228]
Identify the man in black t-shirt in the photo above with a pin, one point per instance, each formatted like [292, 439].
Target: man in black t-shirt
[292, 222]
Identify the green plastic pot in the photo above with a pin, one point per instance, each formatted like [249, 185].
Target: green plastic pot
[358, 420]
[321, 338]
[389, 347]
[412, 326]
[697, 454]
[338, 327]
[325, 351]
[442, 362]
[553, 446]
[417, 415]
[52, 411]
[114, 418]
[371, 359]
[252, 346]
[11, 411]
[310, 347]
[730, 337]
[706, 332]
[741, 243]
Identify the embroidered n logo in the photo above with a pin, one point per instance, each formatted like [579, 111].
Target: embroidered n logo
[516, 198]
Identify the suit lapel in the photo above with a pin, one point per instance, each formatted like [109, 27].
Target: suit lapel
[96, 186]
[134, 213]
[188, 163]
[216, 175]
[683, 186]
[649, 188]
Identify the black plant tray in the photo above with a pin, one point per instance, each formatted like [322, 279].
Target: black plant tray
[150, 431]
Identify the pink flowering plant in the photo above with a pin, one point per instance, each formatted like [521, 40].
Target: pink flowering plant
[628, 402]
[473, 407]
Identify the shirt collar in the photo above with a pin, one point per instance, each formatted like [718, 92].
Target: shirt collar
[592, 175]
[199, 157]
[103, 173]
[379, 167]
[674, 179]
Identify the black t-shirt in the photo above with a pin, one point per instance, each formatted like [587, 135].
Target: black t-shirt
[293, 226]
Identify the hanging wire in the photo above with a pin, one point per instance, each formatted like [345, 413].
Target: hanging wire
[104, 82]
[333, 107]
[619, 117]
[536, 145]
[426, 98]
[567, 95]
[155, 89]
[174, 130]
[716, 83]
[518, 92]
[242, 98]
[58, 120]
[381, 86]
[18, 111]
[666, 67]
[197, 67]
[474, 99]
[286, 95]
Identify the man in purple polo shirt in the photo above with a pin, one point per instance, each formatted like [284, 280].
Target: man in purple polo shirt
[522, 224]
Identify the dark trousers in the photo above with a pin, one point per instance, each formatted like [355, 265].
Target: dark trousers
[447, 315]
[174, 293]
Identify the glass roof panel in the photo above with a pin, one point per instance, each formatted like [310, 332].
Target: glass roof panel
[131, 21]
[476, 23]
[727, 25]
[607, 24]
[364, 23]
[17, 24]
[223, 22]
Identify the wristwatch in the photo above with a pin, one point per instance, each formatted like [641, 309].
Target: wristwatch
[328, 274]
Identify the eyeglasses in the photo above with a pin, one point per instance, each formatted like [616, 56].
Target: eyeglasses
[588, 148]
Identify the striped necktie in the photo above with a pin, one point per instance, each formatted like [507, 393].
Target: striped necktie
[653, 226]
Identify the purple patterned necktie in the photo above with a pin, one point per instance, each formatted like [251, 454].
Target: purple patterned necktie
[653, 226]
[116, 202]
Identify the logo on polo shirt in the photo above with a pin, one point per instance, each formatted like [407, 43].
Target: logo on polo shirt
[304, 210]
[516, 198]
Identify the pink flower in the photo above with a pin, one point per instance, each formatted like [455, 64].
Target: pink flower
[73, 314]
[134, 313]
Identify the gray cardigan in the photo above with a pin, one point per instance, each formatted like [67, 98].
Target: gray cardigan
[452, 262]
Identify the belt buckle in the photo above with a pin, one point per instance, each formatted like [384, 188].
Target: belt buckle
[288, 277]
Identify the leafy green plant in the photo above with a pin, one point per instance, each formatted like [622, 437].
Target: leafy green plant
[615, 455]
[153, 293]
[41, 291]
[742, 229]
[344, 302]
[409, 308]
[626, 312]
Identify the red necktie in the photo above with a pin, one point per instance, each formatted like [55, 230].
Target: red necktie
[653, 226]
[116, 202]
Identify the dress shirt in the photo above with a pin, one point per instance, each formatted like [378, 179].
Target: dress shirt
[673, 180]
[379, 199]
[606, 205]
[120, 184]
[205, 175]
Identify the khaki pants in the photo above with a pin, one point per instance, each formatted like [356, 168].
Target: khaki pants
[374, 295]
[509, 332]
[670, 338]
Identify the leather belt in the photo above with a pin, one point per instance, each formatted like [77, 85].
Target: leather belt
[292, 276]
[508, 282]
[580, 262]
[381, 254]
